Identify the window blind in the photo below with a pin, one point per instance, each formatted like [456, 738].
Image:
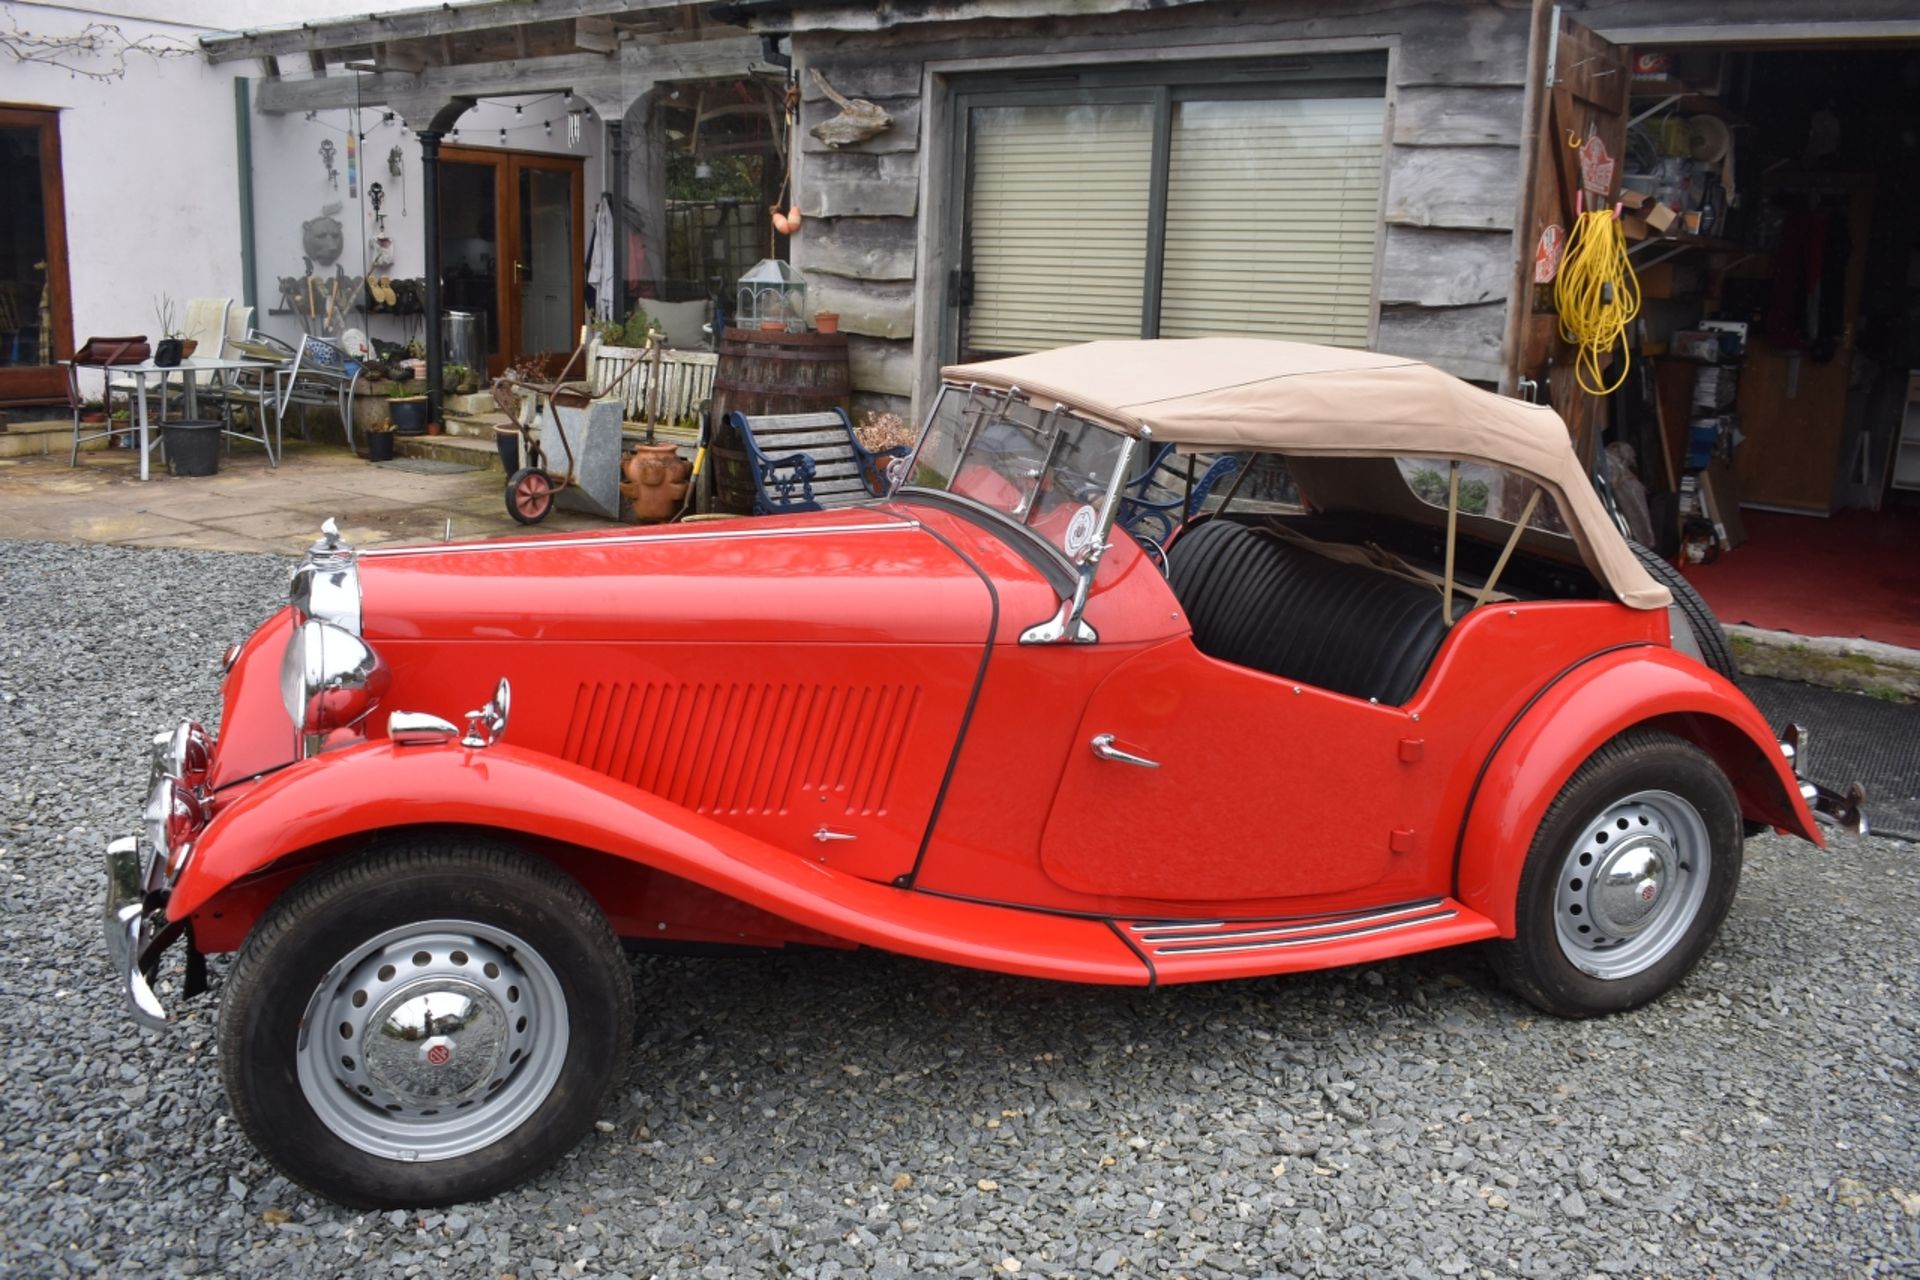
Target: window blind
[1058, 218]
[1272, 215]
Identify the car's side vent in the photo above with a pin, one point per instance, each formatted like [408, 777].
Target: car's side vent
[747, 748]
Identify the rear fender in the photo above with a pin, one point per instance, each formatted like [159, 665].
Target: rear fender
[1641, 687]
[328, 803]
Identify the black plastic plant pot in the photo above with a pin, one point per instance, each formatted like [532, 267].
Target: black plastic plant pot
[193, 448]
[166, 353]
[409, 416]
[379, 446]
[508, 443]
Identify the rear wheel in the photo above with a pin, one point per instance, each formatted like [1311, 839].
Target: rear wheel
[1716, 651]
[1628, 879]
[529, 495]
[433, 1023]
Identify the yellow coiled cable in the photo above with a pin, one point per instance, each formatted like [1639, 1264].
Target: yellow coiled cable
[1597, 296]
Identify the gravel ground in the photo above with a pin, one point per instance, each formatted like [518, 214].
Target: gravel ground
[864, 1115]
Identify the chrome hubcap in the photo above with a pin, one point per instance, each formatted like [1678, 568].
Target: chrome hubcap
[433, 1040]
[1632, 884]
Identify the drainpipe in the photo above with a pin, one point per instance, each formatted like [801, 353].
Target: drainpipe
[243, 144]
[430, 215]
[617, 186]
[430, 136]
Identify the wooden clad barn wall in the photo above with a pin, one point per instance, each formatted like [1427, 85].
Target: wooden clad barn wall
[1448, 204]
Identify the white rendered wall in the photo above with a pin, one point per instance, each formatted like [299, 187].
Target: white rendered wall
[152, 177]
[290, 186]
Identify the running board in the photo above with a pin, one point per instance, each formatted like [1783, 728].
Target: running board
[1205, 950]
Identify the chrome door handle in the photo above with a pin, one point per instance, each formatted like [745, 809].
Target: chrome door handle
[824, 834]
[1103, 747]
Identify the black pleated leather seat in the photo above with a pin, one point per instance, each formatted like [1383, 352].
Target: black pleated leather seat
[1257, 600]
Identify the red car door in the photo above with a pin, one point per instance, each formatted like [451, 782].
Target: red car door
[1246, 788]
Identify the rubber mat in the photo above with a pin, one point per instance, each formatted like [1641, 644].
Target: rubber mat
[1853, 738]
[427, 466]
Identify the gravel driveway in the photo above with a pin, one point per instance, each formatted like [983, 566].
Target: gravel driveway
[854, 1115]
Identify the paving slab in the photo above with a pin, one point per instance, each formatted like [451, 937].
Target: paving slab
[249, 506]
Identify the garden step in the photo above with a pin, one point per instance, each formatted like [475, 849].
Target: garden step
[466, 450]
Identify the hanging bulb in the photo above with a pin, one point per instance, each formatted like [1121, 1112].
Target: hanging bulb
[548, 126]
[503, 137]
[567, 98]
[516, 108]
[386, 117]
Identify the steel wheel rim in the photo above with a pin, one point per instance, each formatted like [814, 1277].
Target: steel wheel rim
[532, 494]
[1631, 884]
[432, 1059]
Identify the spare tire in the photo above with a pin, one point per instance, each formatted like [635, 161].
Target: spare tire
[1716, 651]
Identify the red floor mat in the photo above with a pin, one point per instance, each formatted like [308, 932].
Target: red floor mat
[1855, 574]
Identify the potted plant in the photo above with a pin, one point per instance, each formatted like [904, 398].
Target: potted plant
[167, 352]
[380, 441]
[407, 409]
[826, 322]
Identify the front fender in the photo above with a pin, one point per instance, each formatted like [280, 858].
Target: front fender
[1645, 686]
[376, 786]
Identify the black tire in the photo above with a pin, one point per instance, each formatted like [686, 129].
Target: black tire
[328, 919]
[1535, 964]
[1716, 651]
[529, 495]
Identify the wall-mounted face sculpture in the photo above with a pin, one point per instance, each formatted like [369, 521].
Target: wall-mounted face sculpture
[323, 238]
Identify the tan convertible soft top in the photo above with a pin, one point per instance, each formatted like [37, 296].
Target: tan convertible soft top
[1297, 398]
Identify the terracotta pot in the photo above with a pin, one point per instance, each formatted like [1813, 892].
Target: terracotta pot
[434, 428]
[187, 347]
[826, 321]
[656, 481]
[771, 326]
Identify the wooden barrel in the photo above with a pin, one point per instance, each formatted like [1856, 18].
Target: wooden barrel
[768, 371]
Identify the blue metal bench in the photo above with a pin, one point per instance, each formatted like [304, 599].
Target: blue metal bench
[808, 461]
[1145, 515]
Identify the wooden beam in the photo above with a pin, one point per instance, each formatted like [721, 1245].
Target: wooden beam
[317, 62]
[407, 24]
[405, 59]
[595, 35]
[600, 79]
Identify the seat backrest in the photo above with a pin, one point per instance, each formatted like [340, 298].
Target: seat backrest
[839, 467]
[1259, 600]
[239, 324]
[206, 325]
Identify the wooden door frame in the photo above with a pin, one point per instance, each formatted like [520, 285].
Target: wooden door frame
[507, 165]
[39, 384]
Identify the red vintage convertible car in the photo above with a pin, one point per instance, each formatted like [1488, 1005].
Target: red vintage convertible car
[1330, 715]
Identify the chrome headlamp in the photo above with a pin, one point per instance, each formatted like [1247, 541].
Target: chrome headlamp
[330, 679]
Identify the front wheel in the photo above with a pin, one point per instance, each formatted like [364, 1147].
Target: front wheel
[430, 1024]
[1628, 878]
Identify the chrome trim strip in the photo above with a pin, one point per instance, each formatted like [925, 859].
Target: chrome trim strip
[1277, 944]
[1201, 930]
[621, 540]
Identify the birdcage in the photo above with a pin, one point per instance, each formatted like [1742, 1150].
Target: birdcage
[773, 292]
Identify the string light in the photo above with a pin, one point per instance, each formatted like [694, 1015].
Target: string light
[516, 108]
[503, 137]
[548, 126]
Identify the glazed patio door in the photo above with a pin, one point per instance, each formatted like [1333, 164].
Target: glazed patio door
[512, 249]
[36, 325]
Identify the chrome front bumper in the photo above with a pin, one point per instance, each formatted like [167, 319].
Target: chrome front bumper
[1846, 810]
[136, 924]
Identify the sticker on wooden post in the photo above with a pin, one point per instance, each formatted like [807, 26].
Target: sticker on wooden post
[1547, 254]
[1596, 167]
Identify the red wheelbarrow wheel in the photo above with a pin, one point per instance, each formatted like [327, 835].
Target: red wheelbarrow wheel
[529, 495]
